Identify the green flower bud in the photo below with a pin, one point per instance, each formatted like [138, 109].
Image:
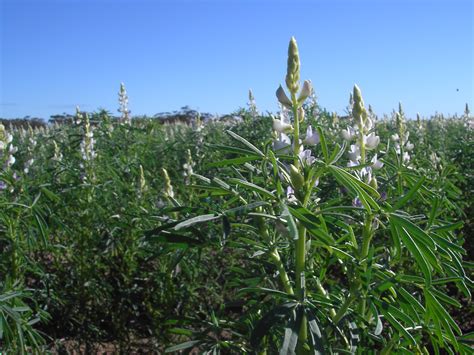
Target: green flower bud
[373, 183]
[168, 187]
[293, 67]
[301, 114]
[358, 111]
[297, 179]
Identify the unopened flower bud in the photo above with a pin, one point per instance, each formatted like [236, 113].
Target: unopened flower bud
[373, 183]
[296, 178]
[301, 114]
[293, 67]
[358, 110]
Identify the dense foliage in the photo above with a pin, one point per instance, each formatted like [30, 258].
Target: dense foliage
[232, 237]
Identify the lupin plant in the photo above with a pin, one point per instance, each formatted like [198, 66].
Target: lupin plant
[343, 278]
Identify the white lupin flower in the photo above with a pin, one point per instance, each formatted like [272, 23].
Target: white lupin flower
[409, 146]
[406, 157]
[395, 137]
[283, 144]
[369, 124]
[366, 173]
[290, 195]
[354, 153]
[376, 163]
[281, 127]
[352, 164]
[312, 138]
[306, 157]
[434, 158]
[348, 134]
[371, 141]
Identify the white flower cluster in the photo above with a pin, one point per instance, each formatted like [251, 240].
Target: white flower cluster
[364, 137]
[7, 149]
[58, 156]
[30, 147]
[87, 145]
[283, 144]
[123, 105]
[188, 167]
[402, 144]
[252, 105]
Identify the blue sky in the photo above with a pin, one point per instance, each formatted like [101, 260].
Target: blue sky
[55, 55]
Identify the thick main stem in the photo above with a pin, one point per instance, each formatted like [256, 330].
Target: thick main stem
[300, 283]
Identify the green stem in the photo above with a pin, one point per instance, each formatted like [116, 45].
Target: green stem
[366, 239]
[285, 280]
[300, 284]
[275, 257]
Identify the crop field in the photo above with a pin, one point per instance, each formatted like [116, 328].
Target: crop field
[301, 232]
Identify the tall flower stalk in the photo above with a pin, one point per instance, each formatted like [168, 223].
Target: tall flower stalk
[123, 105]
[299, 185]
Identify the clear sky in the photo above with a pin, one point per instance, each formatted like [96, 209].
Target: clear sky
[56, 54]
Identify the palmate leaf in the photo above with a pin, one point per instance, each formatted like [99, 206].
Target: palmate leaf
[357, 187]
[441, 318]
[405, 232]
[312, 223]
[409, 195]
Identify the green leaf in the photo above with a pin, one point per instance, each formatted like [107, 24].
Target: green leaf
[397, 325]
[292, 330]
[234, 161]
[198, 219]
[182, 346]
[409, 195]
[315, 335]
[270, 319]
[292, 228]
[413, 248]
[356, 186]
[276, 293]
[336, 155]
[243, 209]
[245, 142]
[324, 146]
[252, 187]
[312, 223]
